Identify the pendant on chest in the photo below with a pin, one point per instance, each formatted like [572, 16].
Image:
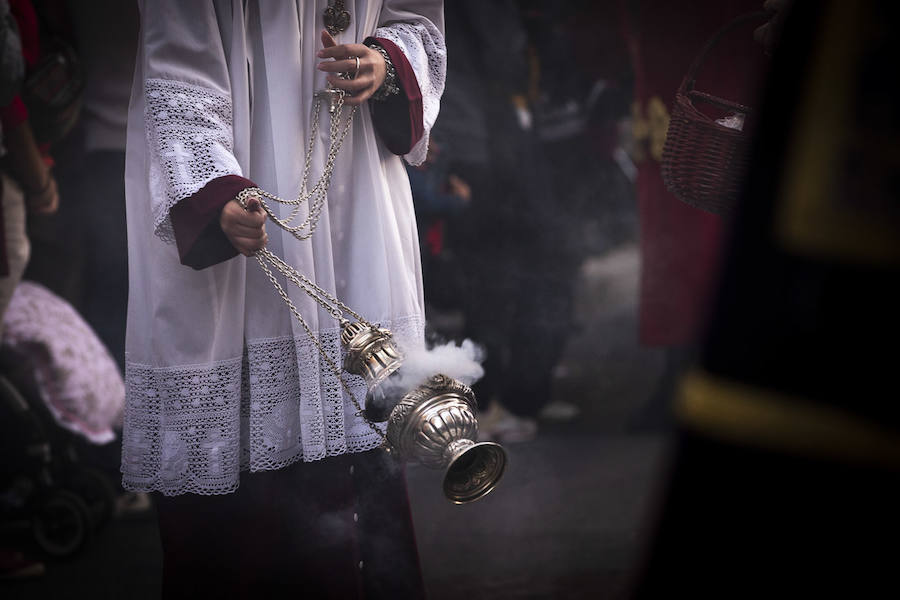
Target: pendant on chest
[336, 17]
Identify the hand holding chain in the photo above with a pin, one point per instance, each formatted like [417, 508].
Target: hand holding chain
[316, 198]
[318, 195]
[434, 422]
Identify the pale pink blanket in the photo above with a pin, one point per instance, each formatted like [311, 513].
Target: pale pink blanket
[75, 375]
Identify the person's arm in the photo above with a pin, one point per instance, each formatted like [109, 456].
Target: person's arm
[411, 35]
[28, 167]
[384, 77]
[194, 174]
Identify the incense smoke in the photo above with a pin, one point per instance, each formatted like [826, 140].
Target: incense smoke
[461, 362]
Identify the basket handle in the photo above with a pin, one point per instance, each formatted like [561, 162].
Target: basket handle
[687, 83]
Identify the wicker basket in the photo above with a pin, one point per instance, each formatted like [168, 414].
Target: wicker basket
[703, 162]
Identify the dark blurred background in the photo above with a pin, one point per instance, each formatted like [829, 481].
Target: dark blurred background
[679, 334]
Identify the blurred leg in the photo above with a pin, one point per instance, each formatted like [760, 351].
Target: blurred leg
[106, 260]
[316, 530]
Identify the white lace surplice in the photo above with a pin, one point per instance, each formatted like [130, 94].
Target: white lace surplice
[219, 376]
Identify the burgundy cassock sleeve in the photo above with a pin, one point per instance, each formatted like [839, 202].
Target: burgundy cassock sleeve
[199, 237]
[398, 119]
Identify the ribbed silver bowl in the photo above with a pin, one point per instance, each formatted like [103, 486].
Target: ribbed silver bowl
[435, 424]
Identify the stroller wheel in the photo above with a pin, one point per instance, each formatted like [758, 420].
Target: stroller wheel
[94, 488]
[61, 523]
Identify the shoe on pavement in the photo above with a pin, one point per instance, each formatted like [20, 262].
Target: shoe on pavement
[558, 410]
[133, 505]
[499, 425]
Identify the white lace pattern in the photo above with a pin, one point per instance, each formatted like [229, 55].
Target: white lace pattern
[194, 428]
[189, 134]
[423, 46]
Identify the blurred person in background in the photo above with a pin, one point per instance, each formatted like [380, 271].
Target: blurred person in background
[440, 198]
[516, 291]
[679, 244]
[784, 479]
[28, 182]
[26, 185]
[579, 90]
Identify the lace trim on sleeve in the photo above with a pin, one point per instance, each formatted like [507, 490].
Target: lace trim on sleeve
[189, 135]
[424, 48]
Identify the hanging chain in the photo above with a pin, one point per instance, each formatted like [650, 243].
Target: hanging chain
[318, 344]
[317, 197]
[325, 299]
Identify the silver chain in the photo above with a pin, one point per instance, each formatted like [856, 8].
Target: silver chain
[324, 298]
[317, 197]
[260, 258]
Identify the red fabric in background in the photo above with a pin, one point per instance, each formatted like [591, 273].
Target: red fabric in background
[15, 112]
[29, 34]
[680, 244]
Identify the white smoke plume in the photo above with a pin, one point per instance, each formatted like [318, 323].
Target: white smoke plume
[461, 362]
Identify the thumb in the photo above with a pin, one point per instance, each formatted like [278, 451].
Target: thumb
[327, 40]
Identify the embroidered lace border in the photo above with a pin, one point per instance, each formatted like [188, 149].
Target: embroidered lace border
[194, 428]
[189, 135]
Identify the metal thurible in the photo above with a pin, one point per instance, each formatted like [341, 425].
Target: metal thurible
[434, 423]
[371, 353]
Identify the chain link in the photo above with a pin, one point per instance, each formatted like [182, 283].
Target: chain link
[315, 340]
[317, 197]
[324, 298]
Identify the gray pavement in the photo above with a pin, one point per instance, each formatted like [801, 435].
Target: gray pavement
[567, 521]
[564, 523]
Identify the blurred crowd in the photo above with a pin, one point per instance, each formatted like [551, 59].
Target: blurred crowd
[515, 193]
[548, 151]
[63, 272]
[529, 171]
[520, 186]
